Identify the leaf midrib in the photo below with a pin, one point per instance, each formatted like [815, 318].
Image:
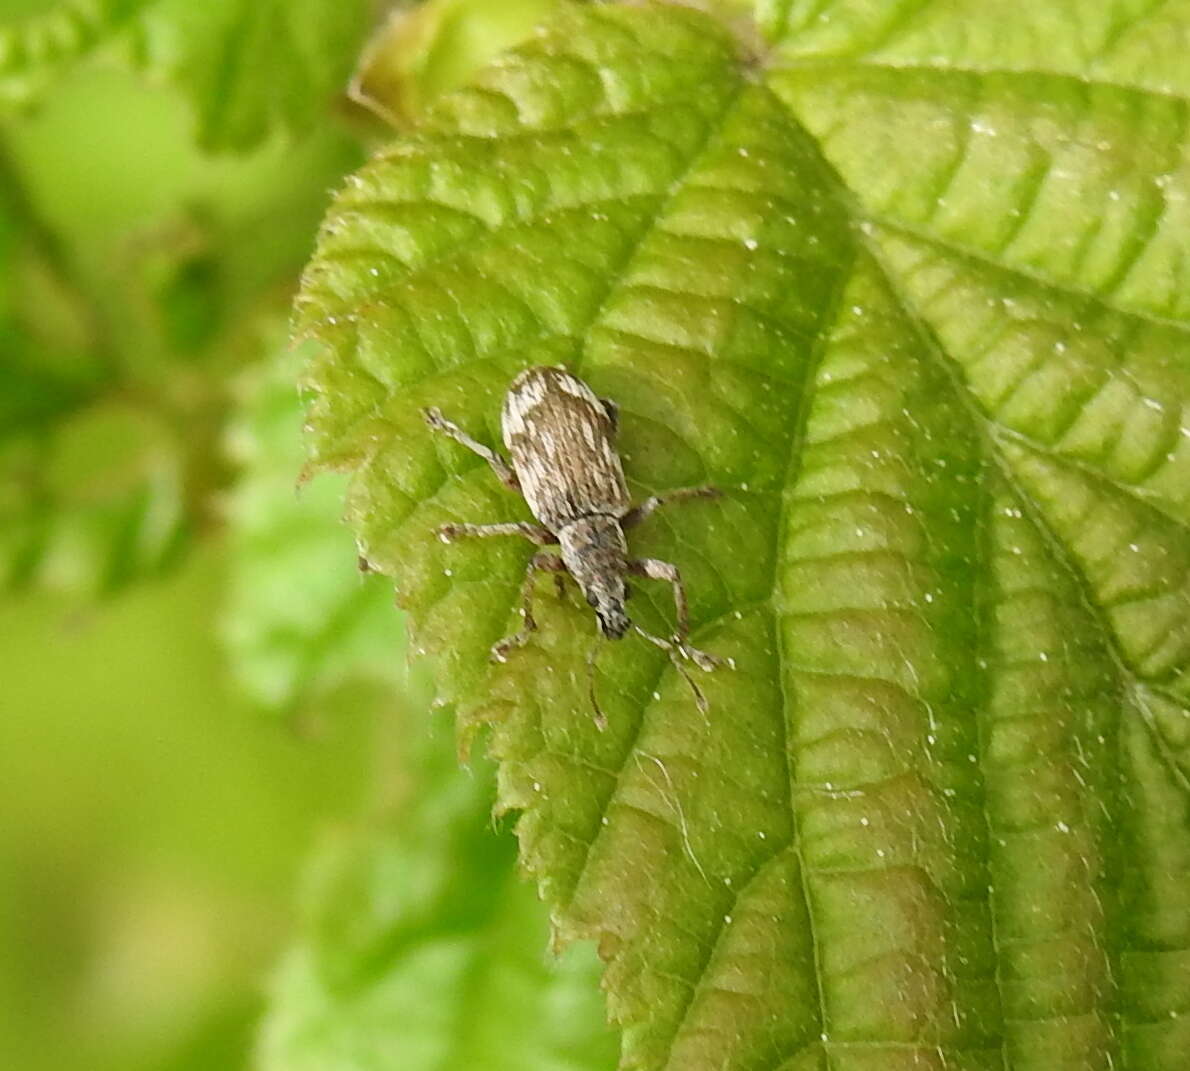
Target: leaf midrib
[989, 430]
[845, 63]
[1036, 277]
[1128, 684]
[793, 472]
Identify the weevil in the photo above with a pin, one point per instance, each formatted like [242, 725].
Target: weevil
[561, 438]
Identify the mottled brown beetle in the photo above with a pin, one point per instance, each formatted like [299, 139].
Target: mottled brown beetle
[564, 462]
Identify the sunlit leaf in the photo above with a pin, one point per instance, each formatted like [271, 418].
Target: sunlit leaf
[421, 52]
[924, 319]
[1120, 42]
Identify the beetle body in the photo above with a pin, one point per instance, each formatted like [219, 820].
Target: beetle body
[561, 439]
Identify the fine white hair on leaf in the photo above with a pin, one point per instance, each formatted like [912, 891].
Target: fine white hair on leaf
[671, 798]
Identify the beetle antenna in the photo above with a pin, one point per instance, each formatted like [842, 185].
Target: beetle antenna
[675, 656]
[700, 700]
[592, 654]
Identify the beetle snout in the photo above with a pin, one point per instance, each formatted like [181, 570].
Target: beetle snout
[609, 609]
[613, 622]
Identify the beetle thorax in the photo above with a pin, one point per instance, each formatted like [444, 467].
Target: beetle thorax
[596, 554]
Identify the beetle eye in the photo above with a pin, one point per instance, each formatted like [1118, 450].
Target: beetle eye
[591, 600]
[627, 593]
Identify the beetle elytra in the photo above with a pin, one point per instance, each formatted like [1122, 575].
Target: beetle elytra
[560, 436]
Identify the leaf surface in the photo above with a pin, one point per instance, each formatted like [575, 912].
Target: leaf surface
[422, 949]
[925, 323]
[419, 53]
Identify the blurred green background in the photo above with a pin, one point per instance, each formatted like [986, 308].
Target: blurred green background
[198, 692]
[152, 819]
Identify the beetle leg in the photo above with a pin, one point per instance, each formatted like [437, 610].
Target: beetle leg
[544, 562]
[659, 570]
[535, 533]
[655, 502]
[500, 467]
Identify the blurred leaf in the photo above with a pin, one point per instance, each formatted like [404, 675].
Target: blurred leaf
[128, 299]
[254, 67]
[94, 477]
[926, 324]
[48, 353]
[40, 39]
[301, 618]
[91, 481]
[423, 952]
[29, 396]
[188, 299]
[95, 504]
[251, 67]
[421, 52]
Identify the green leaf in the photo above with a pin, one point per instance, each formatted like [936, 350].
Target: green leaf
[925, 322]
[422, 949]
[92, 481]
[36, 45]
[251, 68]
[128, 298]
[301, 618]
[1118, 44]
[422, 52]
[96, 503]
[254, 67]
